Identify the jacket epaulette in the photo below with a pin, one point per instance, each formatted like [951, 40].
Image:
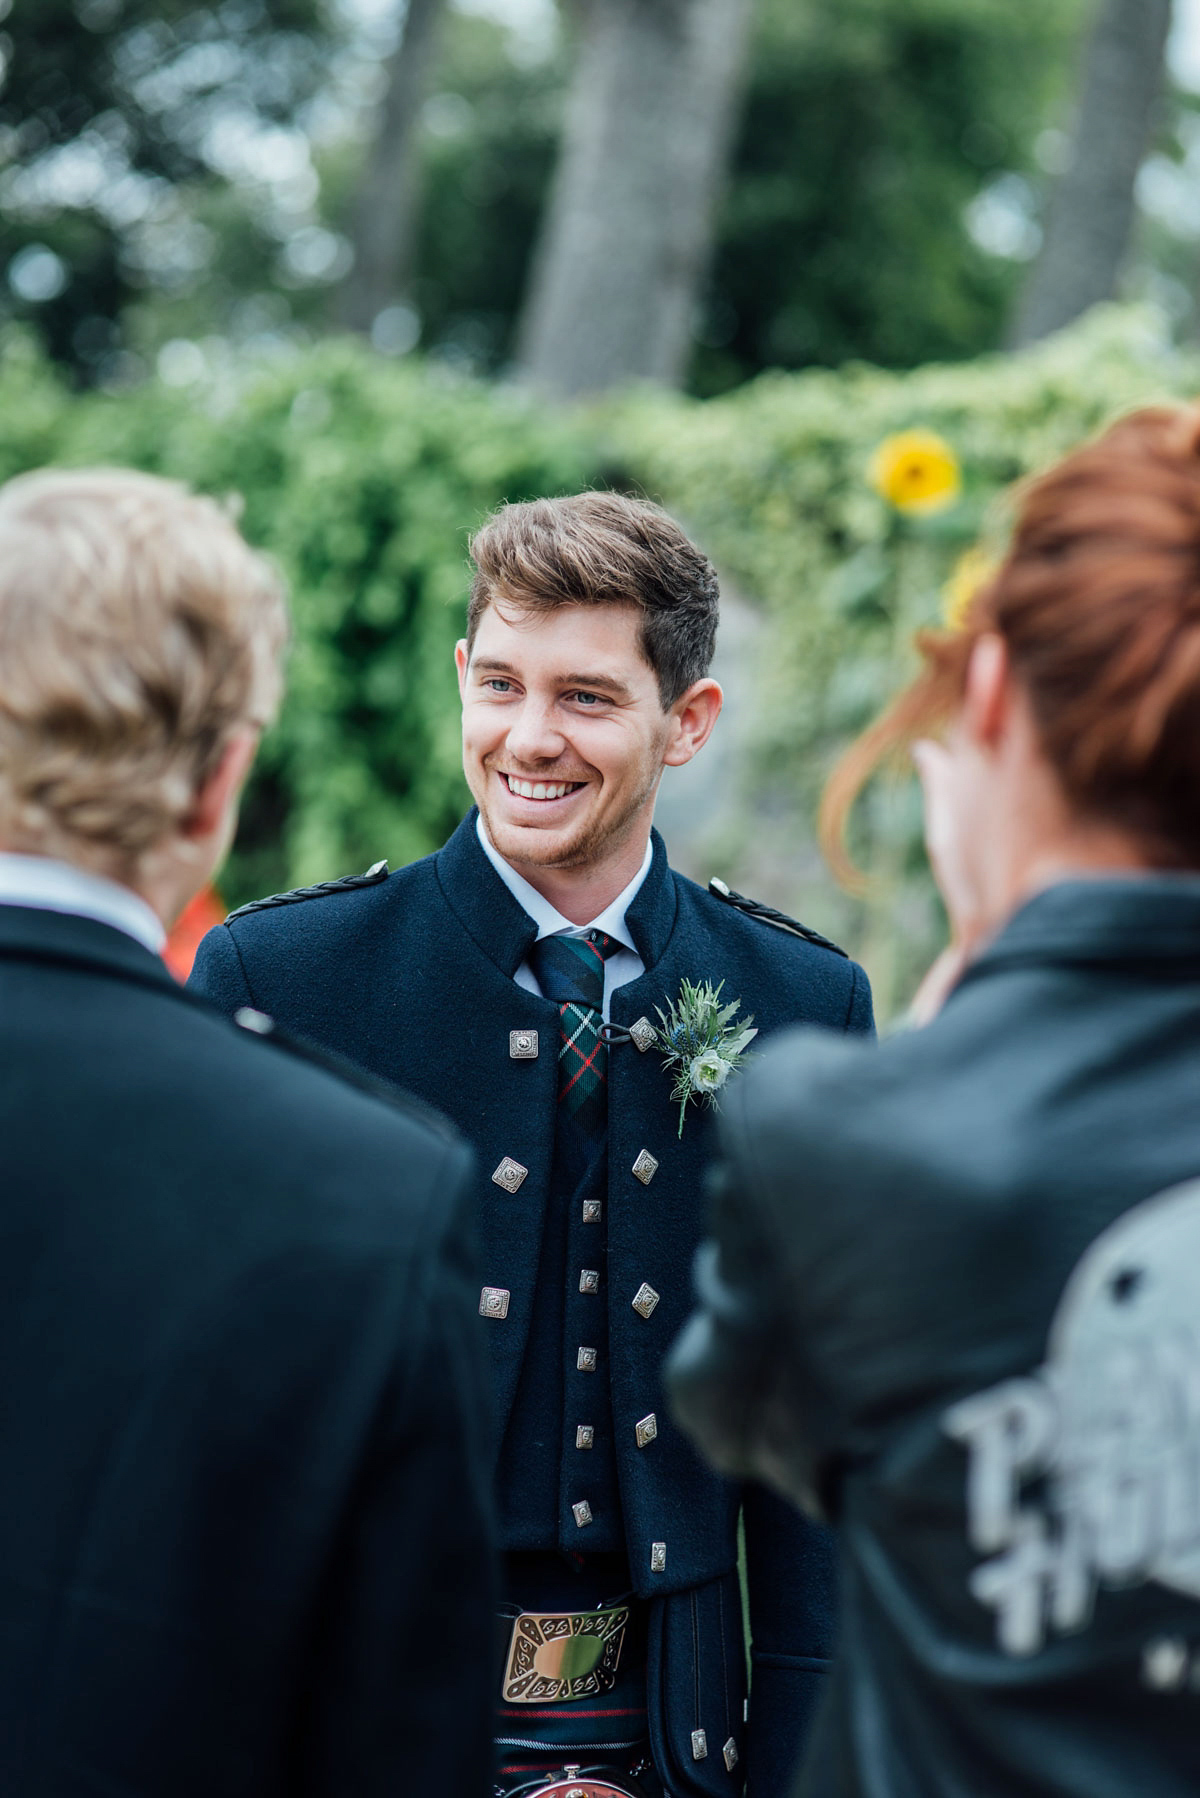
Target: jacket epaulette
[767, 914]
[374, 874]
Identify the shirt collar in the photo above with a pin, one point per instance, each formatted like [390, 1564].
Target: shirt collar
[42, 884]
[550, 921]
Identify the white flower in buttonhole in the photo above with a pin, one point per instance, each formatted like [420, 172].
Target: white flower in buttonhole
[709, 1072]
[700, 1043]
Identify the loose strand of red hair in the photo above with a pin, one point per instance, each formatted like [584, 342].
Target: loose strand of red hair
[1098, 604]
[925, 705]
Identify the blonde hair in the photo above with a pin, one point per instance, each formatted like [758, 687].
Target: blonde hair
[138, 632]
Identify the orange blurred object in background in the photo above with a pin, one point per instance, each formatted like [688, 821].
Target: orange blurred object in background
[194, 921]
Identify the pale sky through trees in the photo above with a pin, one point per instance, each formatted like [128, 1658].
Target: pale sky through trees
[1001, 220]
[536, 18]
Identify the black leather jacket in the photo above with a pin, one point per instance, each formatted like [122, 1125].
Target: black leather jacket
[954, 1305]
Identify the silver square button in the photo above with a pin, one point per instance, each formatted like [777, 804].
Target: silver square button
[585, 1360]
[582, 1513]
[645, 1167]
[593, 1210]
[589, 1280]
[643, 1034]
[523, 1045]
[493, 1301]
[731, 1755]
[699, 1745]
[658, 1557]
[645, 1299]
[646, 1430]
[585, 1435]
[509, 1174]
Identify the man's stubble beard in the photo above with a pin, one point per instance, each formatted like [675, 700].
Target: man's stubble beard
[594, 841]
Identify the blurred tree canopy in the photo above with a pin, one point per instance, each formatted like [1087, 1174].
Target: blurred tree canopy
[174, 171]
[869, 128]
[126, 127]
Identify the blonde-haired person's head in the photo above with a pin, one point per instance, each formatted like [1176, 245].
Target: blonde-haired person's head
[140, 635]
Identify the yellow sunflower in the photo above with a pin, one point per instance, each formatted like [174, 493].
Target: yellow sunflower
[973, 568]
[916, 471]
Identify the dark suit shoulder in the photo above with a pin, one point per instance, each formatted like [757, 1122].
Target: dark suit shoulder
[333, 909]
[770, 916]
[784, 958]
[300, 1049]
[311, 1115]
[915, 1113]
[324, 889]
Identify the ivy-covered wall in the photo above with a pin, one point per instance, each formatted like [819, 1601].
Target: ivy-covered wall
[778, 481]
[365, 477]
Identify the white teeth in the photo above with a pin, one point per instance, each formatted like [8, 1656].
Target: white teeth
[526, 789]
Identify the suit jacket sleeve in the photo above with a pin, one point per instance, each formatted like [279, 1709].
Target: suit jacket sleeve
[751, 1374]
[739, 1388]
[860, 1016]
[792, 1578]
[411, 1602]
[218, 974]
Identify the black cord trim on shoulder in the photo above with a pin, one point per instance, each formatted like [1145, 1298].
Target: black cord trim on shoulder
[372, 877]
[767, 914]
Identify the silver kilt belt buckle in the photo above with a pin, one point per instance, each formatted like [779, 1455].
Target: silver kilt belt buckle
[573, 1782]
[554, 1656]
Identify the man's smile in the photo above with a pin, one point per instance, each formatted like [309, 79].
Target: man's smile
[540, 791]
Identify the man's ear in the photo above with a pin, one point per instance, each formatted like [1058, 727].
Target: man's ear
[988, 693]
[693, 716]
[219, 794]
[461, 659]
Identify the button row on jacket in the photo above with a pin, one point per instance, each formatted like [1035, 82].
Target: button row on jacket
[510, 1174]
[493, 1302]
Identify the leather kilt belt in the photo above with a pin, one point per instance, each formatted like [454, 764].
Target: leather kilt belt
[552, 1657]
[579, 1782]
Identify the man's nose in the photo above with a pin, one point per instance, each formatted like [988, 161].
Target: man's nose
[533, 736]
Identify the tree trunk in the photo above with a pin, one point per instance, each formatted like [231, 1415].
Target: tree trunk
[628, 229]
[1091, 213]
[386, 205]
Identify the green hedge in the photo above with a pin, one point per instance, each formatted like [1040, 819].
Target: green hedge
[775, 480]
[365, 477]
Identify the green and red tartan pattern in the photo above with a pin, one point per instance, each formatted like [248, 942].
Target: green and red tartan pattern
[570, 970]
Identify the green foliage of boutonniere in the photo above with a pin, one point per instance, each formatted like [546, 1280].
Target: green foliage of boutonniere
[700, 1043]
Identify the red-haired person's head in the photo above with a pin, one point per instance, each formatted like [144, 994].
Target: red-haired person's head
[1068, 707]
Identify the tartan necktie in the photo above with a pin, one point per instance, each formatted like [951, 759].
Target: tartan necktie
[570, 970]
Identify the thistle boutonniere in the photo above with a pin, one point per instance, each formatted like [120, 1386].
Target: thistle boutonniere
[700, 1043]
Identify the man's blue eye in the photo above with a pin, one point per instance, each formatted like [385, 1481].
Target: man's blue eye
[588, 698]
[499, 686]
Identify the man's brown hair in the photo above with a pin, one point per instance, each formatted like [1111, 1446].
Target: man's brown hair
[603, 549]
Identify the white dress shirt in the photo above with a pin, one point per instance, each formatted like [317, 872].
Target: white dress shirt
[621, 967]
[46, 885]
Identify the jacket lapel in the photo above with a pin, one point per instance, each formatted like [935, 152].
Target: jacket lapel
[480, 900]
[651, 917]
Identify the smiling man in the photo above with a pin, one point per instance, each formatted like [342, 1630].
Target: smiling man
[515, 980]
